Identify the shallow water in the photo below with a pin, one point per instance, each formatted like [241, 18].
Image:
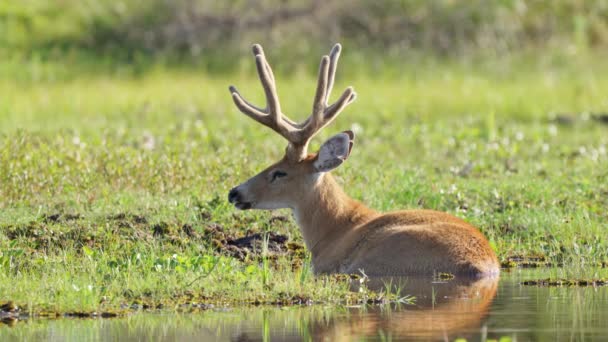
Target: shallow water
[475, 311]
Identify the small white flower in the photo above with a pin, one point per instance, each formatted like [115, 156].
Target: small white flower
[545, 148]
[552, 130]
[356, 128]
[582, 150]
[148, 141]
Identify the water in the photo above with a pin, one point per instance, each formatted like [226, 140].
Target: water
[487, 309]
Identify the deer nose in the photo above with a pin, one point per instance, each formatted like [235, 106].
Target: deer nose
[233, 195]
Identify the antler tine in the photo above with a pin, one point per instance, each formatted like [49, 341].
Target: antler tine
[270, 116]
[322, 113]
[348, 96]
[268, 83]
[247, 108]
[322, 87]
[258, 50]
[334, 55]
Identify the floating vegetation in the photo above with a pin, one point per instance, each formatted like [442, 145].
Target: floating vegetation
[11, 318]
[444, 276]
[9, 313]
[528, 261]
[565, 282]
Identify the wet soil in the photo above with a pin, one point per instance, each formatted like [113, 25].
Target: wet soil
[68, 230]
[252, 246]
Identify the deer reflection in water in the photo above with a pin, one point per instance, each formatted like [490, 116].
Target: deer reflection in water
[443, 310]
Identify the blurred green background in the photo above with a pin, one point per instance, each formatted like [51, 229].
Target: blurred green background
[131, 36]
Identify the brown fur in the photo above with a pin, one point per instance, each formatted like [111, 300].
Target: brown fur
[344, 236]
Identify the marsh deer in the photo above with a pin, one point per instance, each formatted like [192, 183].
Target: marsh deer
[342, 234]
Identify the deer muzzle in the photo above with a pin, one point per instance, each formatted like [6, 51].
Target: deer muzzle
[236, 198]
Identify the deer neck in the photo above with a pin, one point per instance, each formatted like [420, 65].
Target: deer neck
[326, 214]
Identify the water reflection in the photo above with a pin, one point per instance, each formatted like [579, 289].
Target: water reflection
[443, 310]
[474, 310]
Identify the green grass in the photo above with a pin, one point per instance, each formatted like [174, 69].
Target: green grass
[129, 162]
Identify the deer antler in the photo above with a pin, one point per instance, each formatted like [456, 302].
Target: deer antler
[297, 134]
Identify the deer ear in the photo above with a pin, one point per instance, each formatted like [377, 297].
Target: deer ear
[334, 151]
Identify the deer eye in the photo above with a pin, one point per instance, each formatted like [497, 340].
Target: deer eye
[277, 174]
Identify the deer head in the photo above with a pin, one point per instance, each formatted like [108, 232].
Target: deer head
[282, 184]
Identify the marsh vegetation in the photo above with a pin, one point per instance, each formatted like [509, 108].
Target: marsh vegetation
[114, 172]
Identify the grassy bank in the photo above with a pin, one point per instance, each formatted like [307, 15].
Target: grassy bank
[112, 188]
